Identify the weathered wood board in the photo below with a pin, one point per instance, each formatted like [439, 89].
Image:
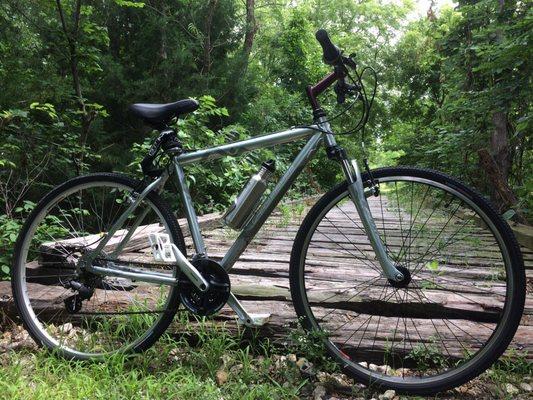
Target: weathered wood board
[260, 279]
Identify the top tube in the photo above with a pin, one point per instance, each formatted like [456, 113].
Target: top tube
[243, 146]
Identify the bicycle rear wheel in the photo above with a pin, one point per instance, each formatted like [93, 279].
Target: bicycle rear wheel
[454, 315]
[79, 314]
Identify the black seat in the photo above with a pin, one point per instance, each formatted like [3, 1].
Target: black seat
[159, 115]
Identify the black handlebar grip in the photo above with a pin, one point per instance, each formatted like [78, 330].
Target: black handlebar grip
[331, 52]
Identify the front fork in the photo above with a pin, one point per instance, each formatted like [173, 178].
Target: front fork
[357, 194]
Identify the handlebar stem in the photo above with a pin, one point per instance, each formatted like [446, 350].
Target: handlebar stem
[322, 85]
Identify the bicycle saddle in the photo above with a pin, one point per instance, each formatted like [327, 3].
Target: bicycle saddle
[159, 115]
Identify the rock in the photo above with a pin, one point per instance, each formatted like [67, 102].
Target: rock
[236, 369]
[402, 372]
[66, 328]
[280, 362]
[5, 340]
[226, 360]
[363, 364]
[301, 361]
[511, 389]
[319, 393]
[341, 380]
[372, 367]
[306, 368]
[221, 377]
[292, 358]
[388, 395]
[384, 369]
[322, 377]
[466, 390]
[526, 387]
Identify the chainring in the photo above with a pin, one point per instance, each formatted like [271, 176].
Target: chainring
[211, 301]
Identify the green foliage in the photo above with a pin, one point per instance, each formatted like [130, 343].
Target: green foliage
[427, 356]
[10, 227]
[170, 369]
[311, 345]
[455, 74]
[442, 81]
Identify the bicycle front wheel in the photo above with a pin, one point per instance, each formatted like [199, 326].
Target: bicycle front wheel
[79, 314]
[452, 317]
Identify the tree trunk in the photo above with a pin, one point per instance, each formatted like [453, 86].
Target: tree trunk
[242, 65]
[72, 41]
[499, 143]
[208, 47]
[503, 195]
[251, 30]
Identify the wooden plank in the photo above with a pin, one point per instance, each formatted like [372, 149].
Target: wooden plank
[260, 281]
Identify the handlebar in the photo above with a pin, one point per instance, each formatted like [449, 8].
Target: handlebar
[332, 54]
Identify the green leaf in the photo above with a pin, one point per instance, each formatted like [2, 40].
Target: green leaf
[126, 3]
[433, 265]
[508, 214]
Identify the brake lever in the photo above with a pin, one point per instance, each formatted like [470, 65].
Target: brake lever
[342, 89]
[349, 61]
[340, 92]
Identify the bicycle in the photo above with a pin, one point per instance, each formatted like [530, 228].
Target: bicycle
[402, 267]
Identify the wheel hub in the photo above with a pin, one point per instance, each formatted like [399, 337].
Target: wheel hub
[212, 300]
[406, 278]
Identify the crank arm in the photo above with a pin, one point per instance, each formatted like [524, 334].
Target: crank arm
[245, 318]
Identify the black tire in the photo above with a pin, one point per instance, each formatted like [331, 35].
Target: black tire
[472, 367]
[18, 282]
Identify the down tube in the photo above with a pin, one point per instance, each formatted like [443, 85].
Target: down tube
[251, 229]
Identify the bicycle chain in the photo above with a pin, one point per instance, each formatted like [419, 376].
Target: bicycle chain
[138, 263]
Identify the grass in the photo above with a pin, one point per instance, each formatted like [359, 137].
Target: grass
[247, 368]
[170, 369]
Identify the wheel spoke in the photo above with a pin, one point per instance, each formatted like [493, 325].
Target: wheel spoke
[437, 320]
[83, 312]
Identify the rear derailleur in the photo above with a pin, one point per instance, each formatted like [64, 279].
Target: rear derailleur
[73, 303]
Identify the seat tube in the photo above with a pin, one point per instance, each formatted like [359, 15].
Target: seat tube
[190, 213]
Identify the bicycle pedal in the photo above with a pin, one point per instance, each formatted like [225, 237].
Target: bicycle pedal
[161, 247]
[257, 320]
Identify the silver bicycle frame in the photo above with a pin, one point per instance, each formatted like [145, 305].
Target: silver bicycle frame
[316, 134]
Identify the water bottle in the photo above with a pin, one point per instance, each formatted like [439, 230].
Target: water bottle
[248, 200]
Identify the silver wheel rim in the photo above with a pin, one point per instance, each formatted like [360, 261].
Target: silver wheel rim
[34, 321]
[489, 343]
